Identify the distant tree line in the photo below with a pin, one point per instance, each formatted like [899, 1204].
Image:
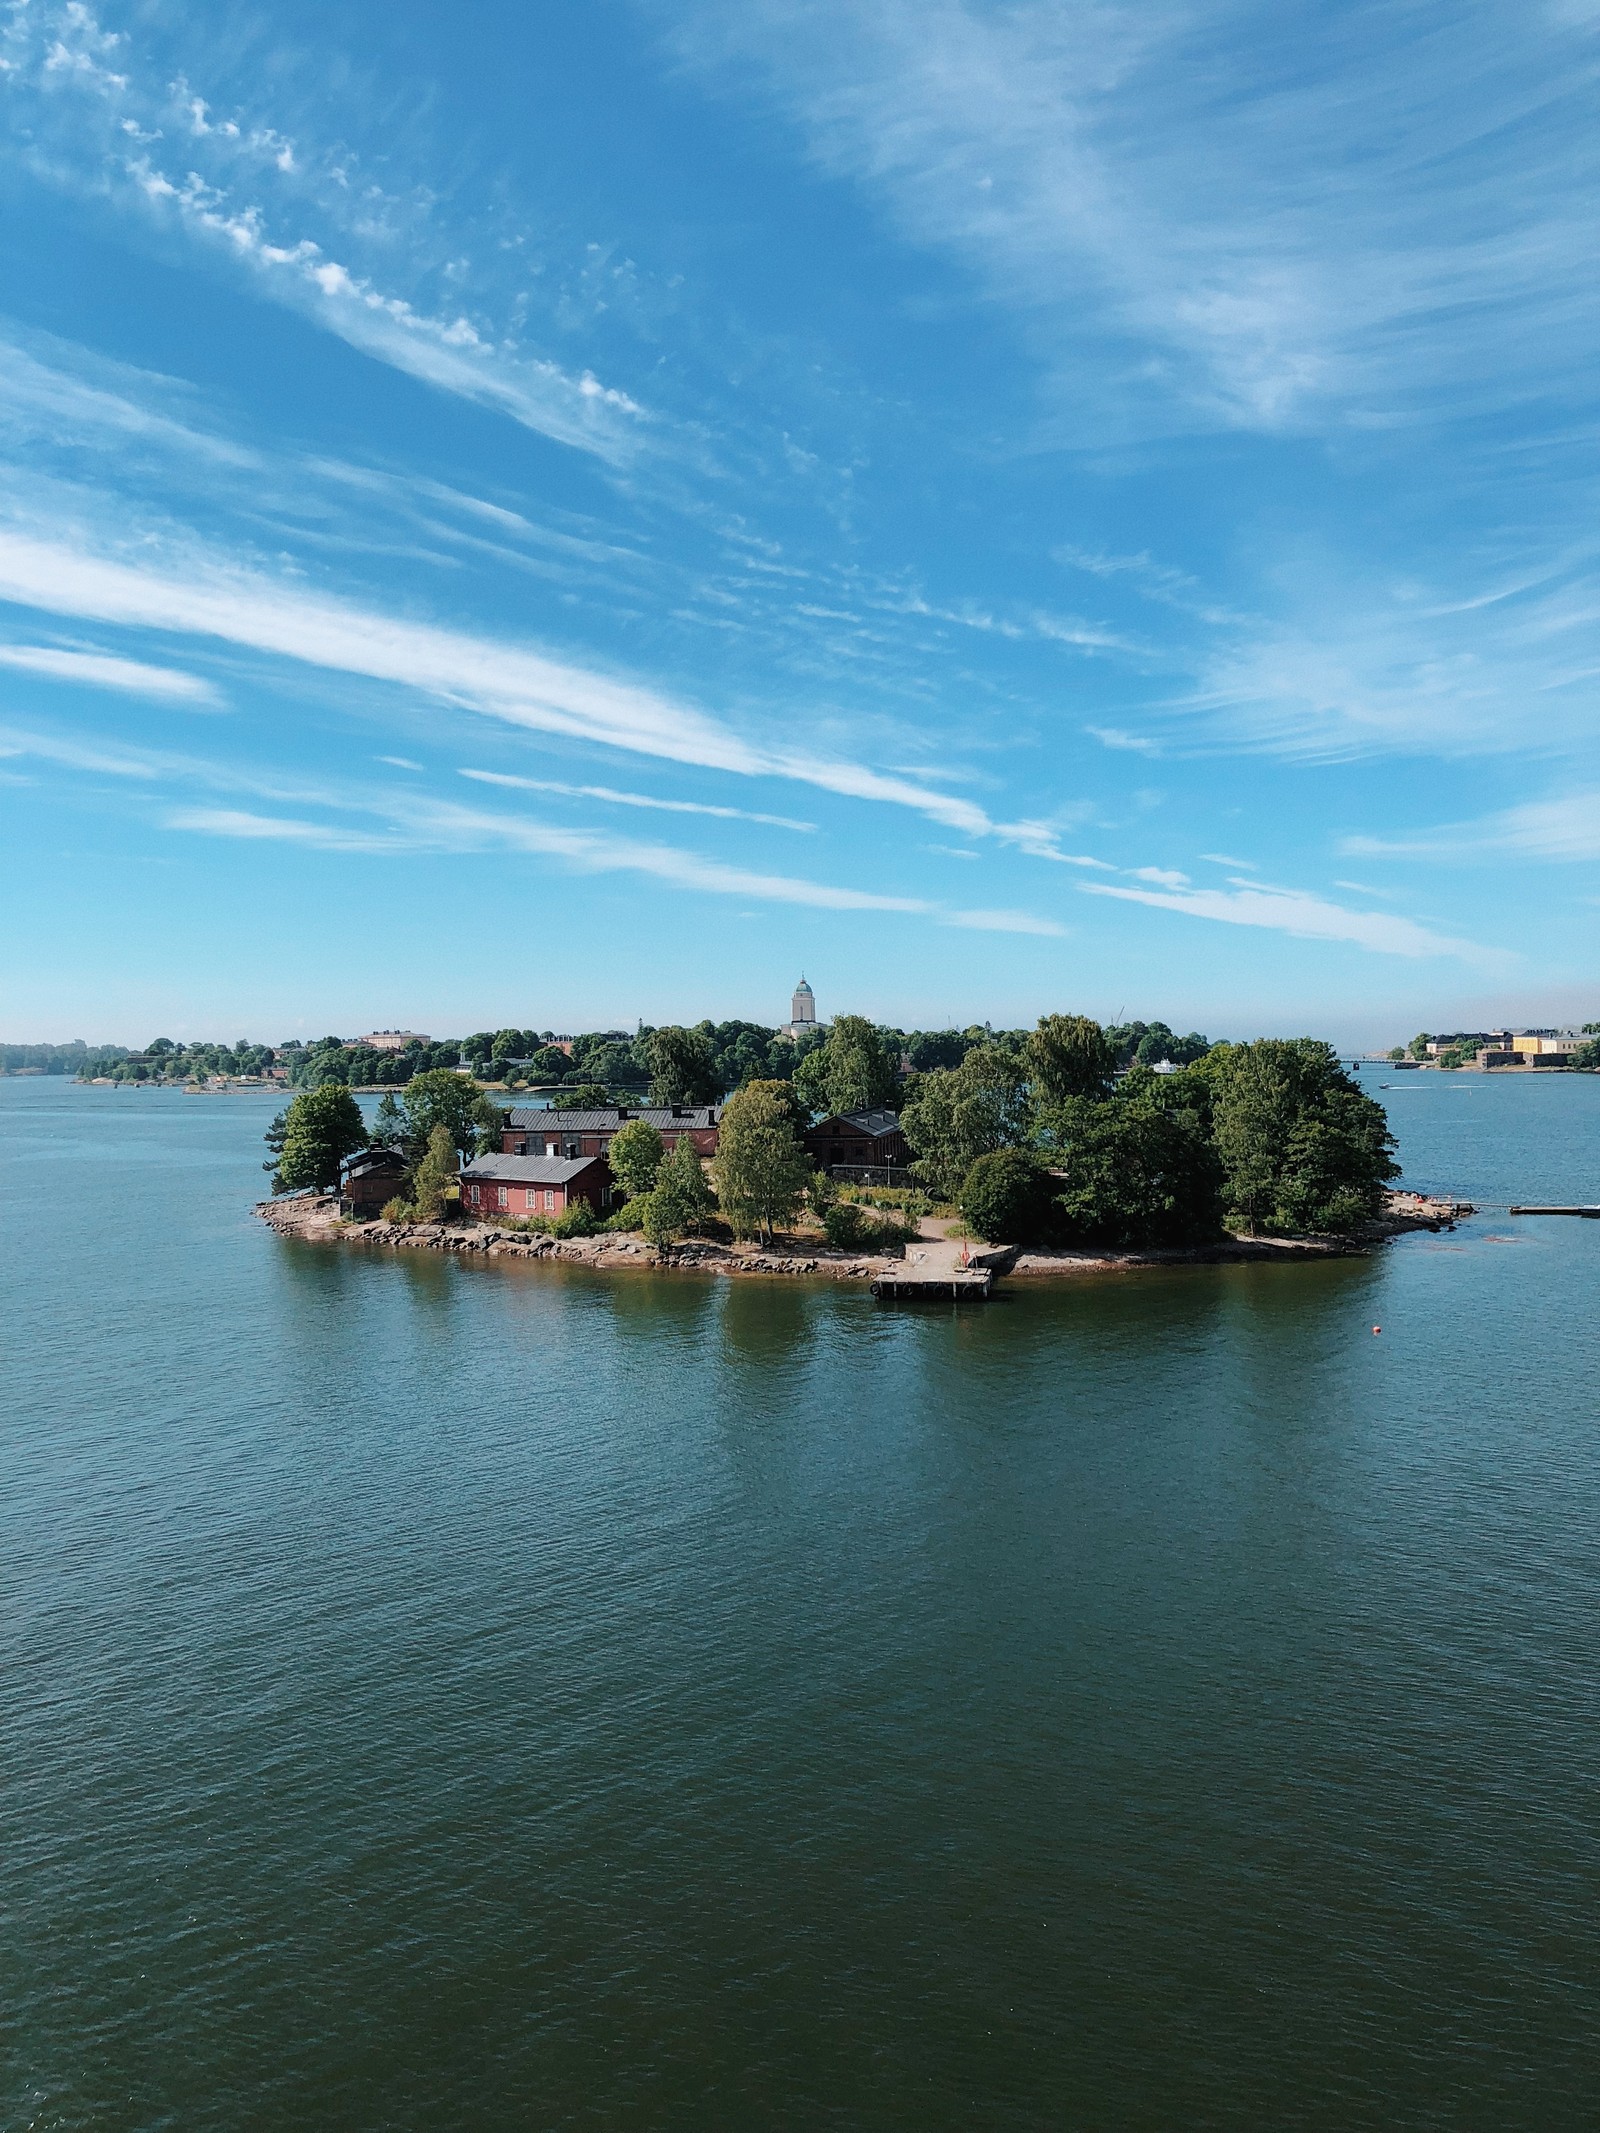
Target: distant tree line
[162, 1060]
[697, 1063]
[44, 1058]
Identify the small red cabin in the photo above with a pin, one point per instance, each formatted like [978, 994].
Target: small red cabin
[370, 1178]
[523, 1185]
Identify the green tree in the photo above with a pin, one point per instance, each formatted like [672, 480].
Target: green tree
[761, 1169]
[956, 1114]
[683, 1066]
[434, 1175]
[852, 1070]
[585, 1096]
[680, 1200]
[442, 1097]
[1301, 1147]
[1420, 1043]
[1068, 1055]
[928, 1049]
[275, 1136]
[548, 1063]
[611, 1062]
[320, 1128]
[636, 1152]
[389, 1124]
[1007, 1197]
[1139, 1168]
[847, 1225]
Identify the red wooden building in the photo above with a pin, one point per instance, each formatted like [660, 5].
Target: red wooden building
[369, 1178]
[859, 1140]
[524, 1185]
[573, 1133]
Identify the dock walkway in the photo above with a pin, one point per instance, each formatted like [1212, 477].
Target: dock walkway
[932, 1271]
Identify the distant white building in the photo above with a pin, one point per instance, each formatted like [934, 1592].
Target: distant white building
[391, 1040]
[802, 1012]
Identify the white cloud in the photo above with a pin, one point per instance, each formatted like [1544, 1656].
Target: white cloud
[614, 798]
[1307, 917]
[442, 826]
[83, 141]
[52, 392]
[78, 755]
[1040, 841]
[398, 762]
[1396, 221]
[1166, 876]
[1004, 922]
[448, 353]
[507, 682]
[421, 824]
[1564, 828]
[1118, 737]
[239, 822]
[99, 670]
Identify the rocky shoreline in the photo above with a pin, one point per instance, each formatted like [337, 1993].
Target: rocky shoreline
[317, 1221]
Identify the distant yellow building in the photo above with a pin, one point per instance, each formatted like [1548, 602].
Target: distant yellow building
[1538, 1046]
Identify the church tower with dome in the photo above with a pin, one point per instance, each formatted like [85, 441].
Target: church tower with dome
[802, 1011]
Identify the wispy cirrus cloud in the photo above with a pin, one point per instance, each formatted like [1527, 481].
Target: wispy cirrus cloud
[409, 821]
[99, 120]
[510, 683]
[612, 797]
[100, 670]
[1566, 827]
[239, 822]
[1119, 737]
[1262, 242]
[1307, 917]
[440, 826]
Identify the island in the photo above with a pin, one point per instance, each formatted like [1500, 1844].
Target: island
[1034, 1153]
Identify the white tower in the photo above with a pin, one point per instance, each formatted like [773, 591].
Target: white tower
[802, 1010]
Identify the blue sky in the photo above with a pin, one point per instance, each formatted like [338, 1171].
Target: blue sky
[559, 515]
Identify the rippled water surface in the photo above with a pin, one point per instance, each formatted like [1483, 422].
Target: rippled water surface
[473, 1696]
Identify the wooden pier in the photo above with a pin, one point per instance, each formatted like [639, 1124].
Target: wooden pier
[934, 1288]
[1586, 1214]
[935, 1272]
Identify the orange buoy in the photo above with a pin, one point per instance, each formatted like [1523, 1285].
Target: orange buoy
[1377, 1329]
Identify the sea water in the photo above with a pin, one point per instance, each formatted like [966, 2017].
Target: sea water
[442, 1696]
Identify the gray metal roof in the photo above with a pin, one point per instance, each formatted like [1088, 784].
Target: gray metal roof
[529, 1169]
[369, 1159]
[526, 1118]
[877, 1123]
